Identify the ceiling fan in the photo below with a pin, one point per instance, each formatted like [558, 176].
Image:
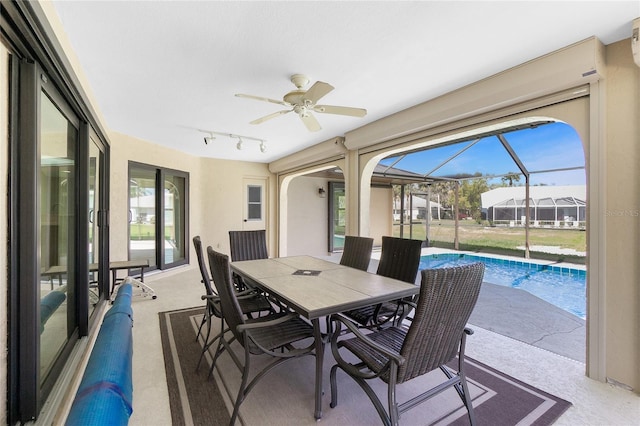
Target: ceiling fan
[303, 103]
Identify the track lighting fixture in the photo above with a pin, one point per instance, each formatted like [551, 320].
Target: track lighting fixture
[239, 144]
[208, 139]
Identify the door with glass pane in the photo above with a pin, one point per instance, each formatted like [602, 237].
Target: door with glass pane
[96, 182]
[158, 212]
[254, 204]
[142, 214]
[57, 185]
[174, 204]
[337, 215]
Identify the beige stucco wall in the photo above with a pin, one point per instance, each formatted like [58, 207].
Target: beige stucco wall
[307, 217]
[622, 221]
[215, 192]
[218, 199]
[381, 219]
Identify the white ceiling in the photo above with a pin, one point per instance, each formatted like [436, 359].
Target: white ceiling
[161, 70]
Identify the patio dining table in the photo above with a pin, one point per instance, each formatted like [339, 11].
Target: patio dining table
[315, 288]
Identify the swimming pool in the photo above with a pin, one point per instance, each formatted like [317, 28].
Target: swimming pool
[560, 286]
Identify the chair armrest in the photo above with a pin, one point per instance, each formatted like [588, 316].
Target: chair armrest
[407, 302]
[392, 355]
[247, 294]
[212, 297]
[269, 323]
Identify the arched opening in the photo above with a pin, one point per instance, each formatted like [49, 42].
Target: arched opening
[458, 158]
[304, 215]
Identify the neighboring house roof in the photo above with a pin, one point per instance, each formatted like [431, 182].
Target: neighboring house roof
[417, 203]
[499, 195]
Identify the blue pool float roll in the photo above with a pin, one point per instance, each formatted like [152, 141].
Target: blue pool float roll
[106, 390]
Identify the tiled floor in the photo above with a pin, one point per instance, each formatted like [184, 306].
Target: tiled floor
[594, 403]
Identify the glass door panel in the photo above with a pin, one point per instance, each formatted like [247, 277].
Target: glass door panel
[142, 215]
[174, 218]
[57, 233]
[337, 215]
[95, 167]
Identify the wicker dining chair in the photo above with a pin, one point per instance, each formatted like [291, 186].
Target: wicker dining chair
[399, 259]
[247, 245]
[275, 335]
[251, 302]
[434, 338]
[357, 252]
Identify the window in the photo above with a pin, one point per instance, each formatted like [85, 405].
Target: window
[254, 202]
[158, 215]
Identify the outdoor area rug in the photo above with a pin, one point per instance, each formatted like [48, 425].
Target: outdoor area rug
[286, 395]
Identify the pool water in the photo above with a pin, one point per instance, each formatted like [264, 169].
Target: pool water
[560, 286]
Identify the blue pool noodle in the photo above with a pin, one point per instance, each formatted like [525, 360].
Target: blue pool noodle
[106, 390]
[49, 304]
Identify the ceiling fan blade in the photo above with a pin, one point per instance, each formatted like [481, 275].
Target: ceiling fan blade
[310, 121]
[340, 110]
[317, 91]
[260, 98]
[270, 116]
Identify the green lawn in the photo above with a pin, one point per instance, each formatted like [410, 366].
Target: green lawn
[479, 237]
[147, 231]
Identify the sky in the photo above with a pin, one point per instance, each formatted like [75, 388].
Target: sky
[546, 147]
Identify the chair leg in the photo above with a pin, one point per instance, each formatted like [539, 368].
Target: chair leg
[394, 415]
[467, 399]
[241, 390]
[334, 387]
[365, 387]
[204, 319]
[219, 349]
[207, 345]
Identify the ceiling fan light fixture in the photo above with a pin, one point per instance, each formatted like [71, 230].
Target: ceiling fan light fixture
[263, 147]
[302, 102]
[239, 144]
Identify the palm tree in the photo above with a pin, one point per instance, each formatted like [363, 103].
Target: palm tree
[510, 178]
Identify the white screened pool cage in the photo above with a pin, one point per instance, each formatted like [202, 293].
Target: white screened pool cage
[506, 175]
[543, 212]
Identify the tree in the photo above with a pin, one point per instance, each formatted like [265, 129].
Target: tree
[509, 178]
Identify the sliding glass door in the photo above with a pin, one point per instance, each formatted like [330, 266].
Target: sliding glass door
[58, 321]
[142, 215]
[157, 215]
[337, 216]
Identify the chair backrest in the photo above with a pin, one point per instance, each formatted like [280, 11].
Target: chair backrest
[357, 252]
[248, 245]
[206, 280]
[221, 274]
[400, 258]
[447, 297]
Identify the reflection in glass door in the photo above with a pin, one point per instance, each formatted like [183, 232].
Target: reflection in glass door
[142, 215]
[58, 319]
[174, 216]
[337, 215]
[96, 158]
